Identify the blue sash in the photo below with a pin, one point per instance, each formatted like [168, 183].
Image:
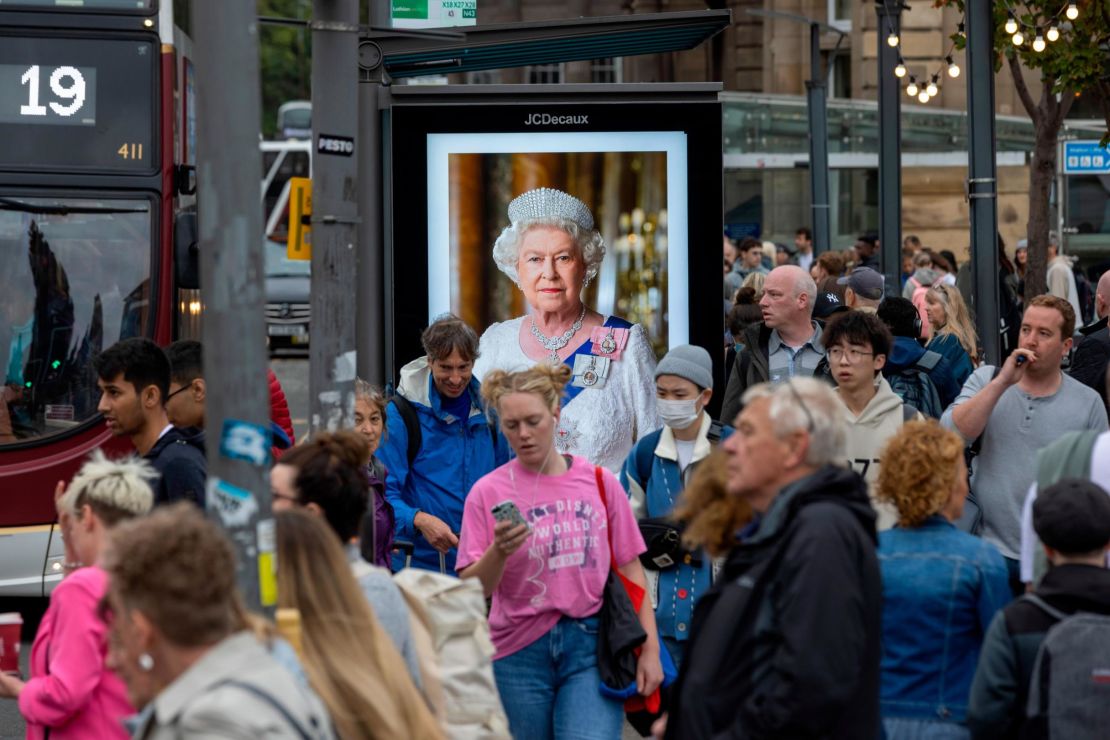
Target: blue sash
[613, 322]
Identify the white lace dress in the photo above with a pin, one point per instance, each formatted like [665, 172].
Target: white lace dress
[600, 424]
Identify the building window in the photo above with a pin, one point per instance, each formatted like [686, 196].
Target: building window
[606, 70]
[840, 74]
[483, 77]
[840, 14]
[544, 74]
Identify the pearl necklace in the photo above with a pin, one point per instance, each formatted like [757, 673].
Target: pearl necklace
[554, 344]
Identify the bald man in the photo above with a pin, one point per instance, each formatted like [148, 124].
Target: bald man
[1092, 355]
[786, 344]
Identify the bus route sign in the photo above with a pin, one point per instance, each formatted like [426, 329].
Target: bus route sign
[1086, 158]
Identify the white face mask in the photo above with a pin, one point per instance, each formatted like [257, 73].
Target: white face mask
[678, 414]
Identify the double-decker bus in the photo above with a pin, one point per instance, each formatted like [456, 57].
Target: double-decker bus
[97, 130]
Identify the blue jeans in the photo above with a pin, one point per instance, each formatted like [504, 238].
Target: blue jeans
[897, 728]
[549, 689]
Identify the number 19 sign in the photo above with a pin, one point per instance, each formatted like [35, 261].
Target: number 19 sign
[38, 94]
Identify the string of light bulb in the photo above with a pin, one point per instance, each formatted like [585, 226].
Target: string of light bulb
[1042, 34]
[929, 86]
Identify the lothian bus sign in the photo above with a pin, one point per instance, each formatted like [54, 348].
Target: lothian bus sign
[434, 13]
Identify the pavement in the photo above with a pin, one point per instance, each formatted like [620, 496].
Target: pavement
[292, 372]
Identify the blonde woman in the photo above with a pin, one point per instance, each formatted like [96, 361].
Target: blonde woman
[349, 659]
[547, 575]
[755, 281]
[941, 586]
[953, 333]
[71, 692]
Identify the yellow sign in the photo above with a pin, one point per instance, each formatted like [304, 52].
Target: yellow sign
[299, 244]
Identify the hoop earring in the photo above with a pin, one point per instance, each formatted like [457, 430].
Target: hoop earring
[146, 662]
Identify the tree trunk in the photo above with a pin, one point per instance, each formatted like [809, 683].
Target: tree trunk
[1042, 172]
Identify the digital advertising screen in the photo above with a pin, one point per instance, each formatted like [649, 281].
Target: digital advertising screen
[650, 173]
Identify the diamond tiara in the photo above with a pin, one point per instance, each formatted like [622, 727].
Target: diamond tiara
[550, 203]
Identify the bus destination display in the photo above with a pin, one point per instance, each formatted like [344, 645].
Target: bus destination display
[67, 97]
[78, 103]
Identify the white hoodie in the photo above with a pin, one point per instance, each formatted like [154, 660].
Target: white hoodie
[868, 433]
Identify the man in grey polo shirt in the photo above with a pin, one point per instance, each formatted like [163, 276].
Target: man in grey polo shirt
[1022, 409]
[786, 344]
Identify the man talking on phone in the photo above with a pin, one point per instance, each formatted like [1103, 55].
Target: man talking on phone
[1011, 412]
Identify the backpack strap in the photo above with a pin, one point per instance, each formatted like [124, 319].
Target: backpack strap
[644, 454]
[1044, 606]
[929, 360]
[412, 425]
[268, 698]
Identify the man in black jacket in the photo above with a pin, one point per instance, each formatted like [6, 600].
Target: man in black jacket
[134, 379]
[1092, 354]
[1072, 519]
[786, 643]
[786, 344]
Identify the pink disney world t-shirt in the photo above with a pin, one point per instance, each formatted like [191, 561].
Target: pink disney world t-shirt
[563, 566]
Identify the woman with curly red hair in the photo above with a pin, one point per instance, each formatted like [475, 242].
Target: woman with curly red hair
[941, 586]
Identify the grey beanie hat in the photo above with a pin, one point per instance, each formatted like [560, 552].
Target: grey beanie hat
[690, 362]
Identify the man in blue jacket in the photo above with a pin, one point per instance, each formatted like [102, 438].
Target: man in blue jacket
[438, 443]
[903, 320]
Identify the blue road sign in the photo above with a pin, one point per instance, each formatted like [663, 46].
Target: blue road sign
[1086, 158]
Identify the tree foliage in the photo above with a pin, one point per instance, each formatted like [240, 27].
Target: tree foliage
[285, 59]
[1077, 63]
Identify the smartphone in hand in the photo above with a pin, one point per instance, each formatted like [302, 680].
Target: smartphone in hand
[508, 511]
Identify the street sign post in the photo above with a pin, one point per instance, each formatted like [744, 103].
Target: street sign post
[1086, 157]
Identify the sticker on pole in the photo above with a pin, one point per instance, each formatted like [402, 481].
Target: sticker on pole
[232, 505]
[343, 146]
[242, 440]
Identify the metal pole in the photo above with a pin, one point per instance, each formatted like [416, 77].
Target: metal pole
[231, 273]
[334, 213]
[369, 327]
[890, 144]
[982, 183]
[818, 143]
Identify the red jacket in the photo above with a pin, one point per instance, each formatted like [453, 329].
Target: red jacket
[279, 411]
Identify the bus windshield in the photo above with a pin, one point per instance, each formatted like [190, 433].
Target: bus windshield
[75, 279]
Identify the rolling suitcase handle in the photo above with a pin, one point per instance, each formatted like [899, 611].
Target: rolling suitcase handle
[406, 547]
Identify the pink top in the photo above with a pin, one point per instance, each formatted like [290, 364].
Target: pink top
[563, 566]
[71, 691]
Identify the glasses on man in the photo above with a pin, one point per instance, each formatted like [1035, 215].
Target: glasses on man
[836, 354]
[801, 404]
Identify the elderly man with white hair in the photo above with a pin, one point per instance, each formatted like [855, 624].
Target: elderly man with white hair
[786, 344]
[786, 643]
[551, 251]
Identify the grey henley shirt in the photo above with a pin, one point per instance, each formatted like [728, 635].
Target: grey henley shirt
[1019, 426]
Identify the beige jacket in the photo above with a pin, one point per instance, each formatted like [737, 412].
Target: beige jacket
[235, 692]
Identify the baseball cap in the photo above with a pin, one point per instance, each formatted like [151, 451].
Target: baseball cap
[865, 282]
[1072, 516]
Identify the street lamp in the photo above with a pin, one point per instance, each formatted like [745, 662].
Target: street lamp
[817, 107]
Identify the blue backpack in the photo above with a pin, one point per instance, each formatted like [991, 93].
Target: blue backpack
[914, 386]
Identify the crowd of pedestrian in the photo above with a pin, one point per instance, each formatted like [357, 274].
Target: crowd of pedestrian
[544, 533]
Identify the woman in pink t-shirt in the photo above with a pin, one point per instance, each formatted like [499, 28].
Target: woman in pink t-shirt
[71, 692]
[547, 577]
